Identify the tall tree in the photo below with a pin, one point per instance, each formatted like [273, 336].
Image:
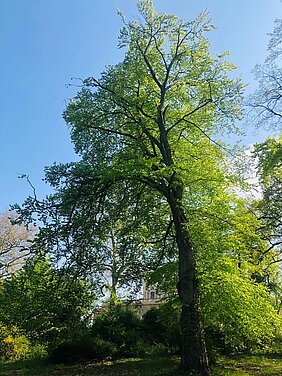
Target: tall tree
[149, 121]
[151, 112]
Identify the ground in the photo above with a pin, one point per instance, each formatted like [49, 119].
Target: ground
[263, 365]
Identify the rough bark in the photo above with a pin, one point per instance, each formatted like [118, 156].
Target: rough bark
[193, 348]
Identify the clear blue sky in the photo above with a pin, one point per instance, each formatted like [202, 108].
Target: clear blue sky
[43, 43]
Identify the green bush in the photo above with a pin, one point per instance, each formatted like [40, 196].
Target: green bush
[47, 304]
[85, 348]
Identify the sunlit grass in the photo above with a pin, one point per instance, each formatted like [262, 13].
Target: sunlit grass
[250, 366]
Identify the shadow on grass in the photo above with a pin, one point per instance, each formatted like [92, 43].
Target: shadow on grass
[134, 367]
[22, 367]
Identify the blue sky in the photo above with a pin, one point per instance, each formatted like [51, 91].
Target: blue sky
[43, 43]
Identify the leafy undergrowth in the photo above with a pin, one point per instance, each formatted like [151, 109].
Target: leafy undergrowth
[236, 366]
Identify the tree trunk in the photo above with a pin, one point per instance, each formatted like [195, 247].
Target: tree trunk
[193, 348]
[194, 356]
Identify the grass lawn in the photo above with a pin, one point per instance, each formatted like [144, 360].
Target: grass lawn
[154, 366]
[263, 365]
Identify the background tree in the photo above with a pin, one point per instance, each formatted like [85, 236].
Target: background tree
[114, 238]
[15, 243]
[268, 156]
[266, 102]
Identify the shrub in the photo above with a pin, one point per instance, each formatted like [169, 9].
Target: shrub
[153, 327]
[121, 327]
[161, 326]
[13, 344]
[85, 348]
